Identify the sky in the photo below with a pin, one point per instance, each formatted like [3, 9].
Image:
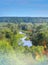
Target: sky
[24, 8]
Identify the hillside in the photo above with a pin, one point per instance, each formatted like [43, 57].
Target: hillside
[24, 19]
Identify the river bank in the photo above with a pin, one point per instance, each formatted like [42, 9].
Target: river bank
[24, 41]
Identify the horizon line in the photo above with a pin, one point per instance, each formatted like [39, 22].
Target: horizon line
[23, 16]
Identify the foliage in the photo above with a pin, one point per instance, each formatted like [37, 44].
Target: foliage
[10, 38]
[40, 35]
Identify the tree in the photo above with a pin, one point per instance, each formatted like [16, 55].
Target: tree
[40, 36]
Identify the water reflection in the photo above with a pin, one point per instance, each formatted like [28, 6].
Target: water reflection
[26, 42]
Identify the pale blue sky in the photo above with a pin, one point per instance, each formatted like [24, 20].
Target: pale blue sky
[33, 8]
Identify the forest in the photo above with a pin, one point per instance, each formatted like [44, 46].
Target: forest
[24, 19]
[23, 41]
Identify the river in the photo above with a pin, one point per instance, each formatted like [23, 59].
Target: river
[25, 42]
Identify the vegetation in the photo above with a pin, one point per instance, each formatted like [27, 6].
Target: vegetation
[10, 37]
[24, 19]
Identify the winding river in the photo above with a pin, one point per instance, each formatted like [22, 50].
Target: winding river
[25, 42]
